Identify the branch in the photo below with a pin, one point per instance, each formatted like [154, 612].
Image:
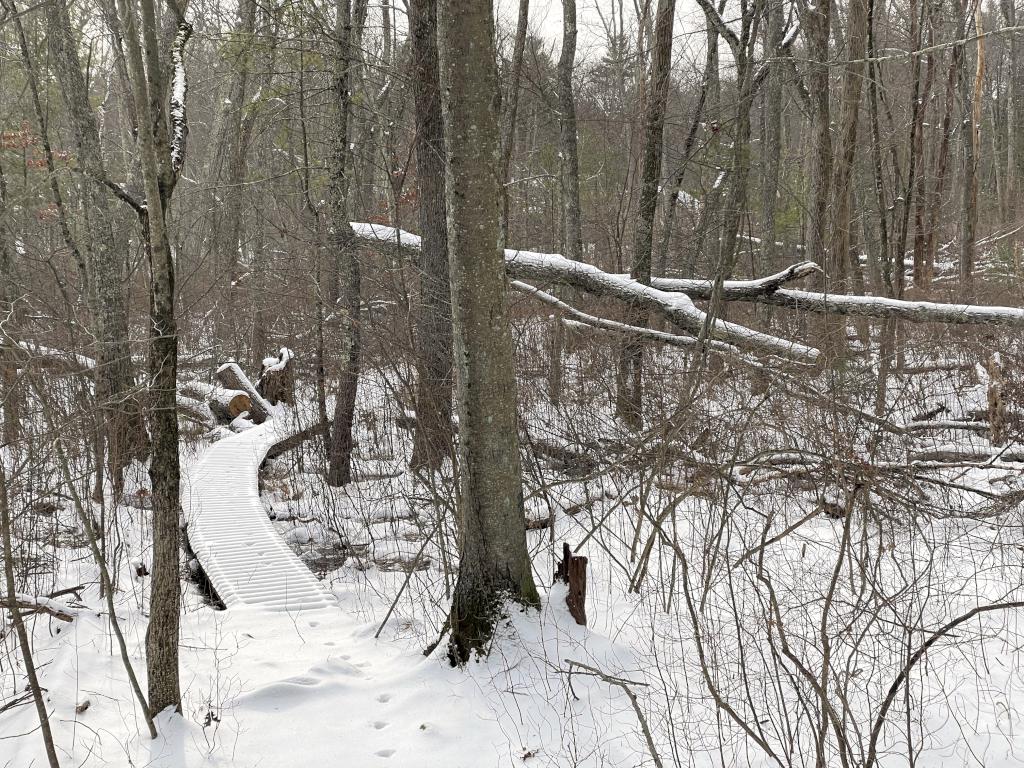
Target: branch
[624, 685]
[844, 304]
[715, 19]
[33, 604]
[592, 321]
[876, 730]
[738, 290]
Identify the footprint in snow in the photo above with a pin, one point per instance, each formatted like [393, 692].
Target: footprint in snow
[380, 725]
[384, 753]
[384, 698]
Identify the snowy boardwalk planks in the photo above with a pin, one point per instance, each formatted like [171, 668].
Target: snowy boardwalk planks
[245, 558]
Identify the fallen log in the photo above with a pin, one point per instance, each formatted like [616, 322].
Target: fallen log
[196, 410]
[844, 304]
[658, 296]
[33, 604]
[676, 308]
[231, 377]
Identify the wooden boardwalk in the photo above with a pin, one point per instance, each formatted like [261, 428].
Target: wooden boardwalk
[246, 560]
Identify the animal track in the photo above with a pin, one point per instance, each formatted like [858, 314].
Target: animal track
[384, 698]
[380, 725]
[384, 752]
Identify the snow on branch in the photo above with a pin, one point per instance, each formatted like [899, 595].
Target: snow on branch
[767, 291]
[37, 604]
[592, 321]
[734, 290]
[674, 307]
[179, 87]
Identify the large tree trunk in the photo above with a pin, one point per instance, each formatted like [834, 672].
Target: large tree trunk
[161, 162]
[432, 437]
[341, 249]
[629, 398]
[120, 411]
[494, 563]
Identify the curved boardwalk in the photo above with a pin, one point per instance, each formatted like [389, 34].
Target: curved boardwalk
[246, 560]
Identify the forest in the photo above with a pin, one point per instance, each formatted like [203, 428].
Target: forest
[569, 383]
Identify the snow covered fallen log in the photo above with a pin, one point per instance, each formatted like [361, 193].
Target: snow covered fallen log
[763, 292]
[36, 604]
[738, 290]
[674, 307]
[579, 318]
[232, 378]
[196, 410]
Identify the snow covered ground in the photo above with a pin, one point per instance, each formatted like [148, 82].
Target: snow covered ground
[693, 594]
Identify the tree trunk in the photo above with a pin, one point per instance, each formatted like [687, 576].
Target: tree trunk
[120, 411]
[494, 563]
[341, 249]
[160, 164]
[629, 399]
[432, 436]
[511, 108]
[816, 26]
[971, 142]
[572, 228]
[19, 623]
[772, 134]
[10, 392]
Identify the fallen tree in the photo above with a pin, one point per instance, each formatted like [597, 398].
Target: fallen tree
[676, 308]
[672, 299]
[765, 291]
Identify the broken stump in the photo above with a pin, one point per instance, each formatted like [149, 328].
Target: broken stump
[572, 570]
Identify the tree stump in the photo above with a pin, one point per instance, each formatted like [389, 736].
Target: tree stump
[572, 570]
[277, 378]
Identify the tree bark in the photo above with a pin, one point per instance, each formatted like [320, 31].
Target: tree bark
[341, 249]
[629, 396]
[432, 436]
[494, 563]
[149, 87]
